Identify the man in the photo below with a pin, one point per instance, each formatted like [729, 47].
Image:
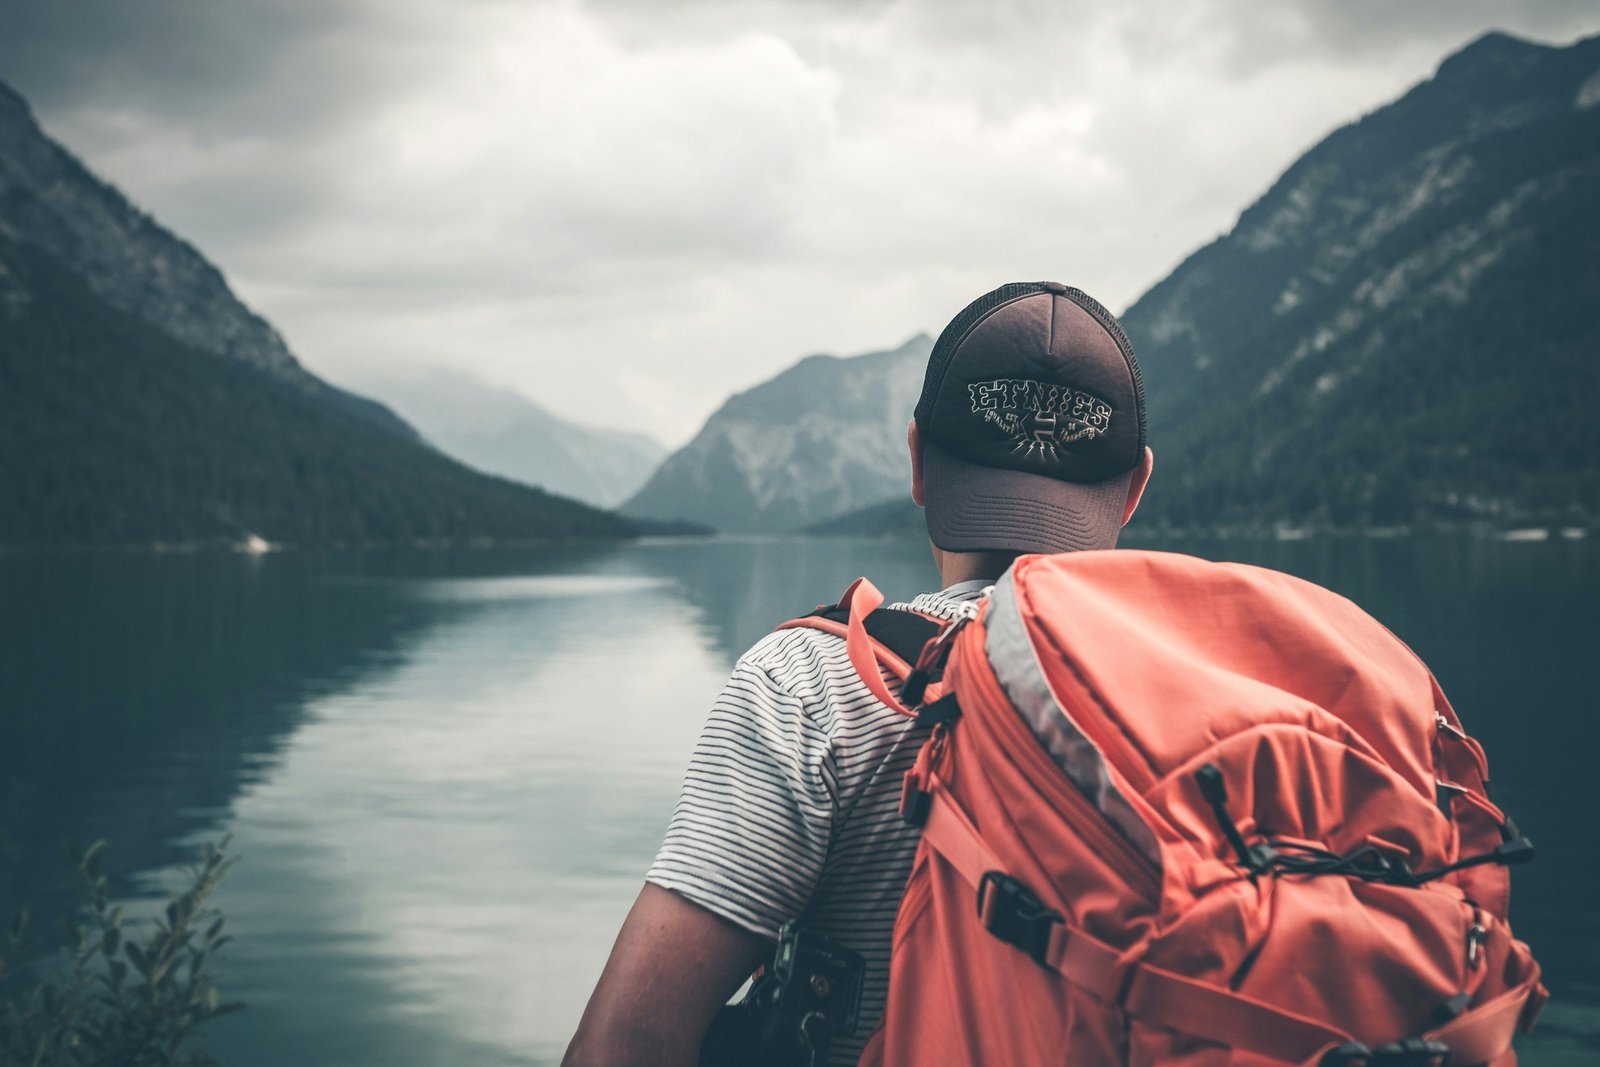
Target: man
[1029, 437]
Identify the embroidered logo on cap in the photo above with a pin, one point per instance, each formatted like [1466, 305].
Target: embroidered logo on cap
[1039, 417]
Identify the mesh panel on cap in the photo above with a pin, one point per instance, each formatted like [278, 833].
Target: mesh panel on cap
[1109, 321]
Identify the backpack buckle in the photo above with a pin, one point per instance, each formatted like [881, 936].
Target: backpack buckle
[1412, 1052]
[1011, 912]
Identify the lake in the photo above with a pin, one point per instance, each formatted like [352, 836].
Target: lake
[445, 773]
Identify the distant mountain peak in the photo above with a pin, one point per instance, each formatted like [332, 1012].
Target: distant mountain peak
[916, 342]
[821, 438]
[1490, 49]
[14, 102]
[496, 430]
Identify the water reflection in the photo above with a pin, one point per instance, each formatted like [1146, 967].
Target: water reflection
[138, 695]
[446, 773]
[742, 588]
[482, 809]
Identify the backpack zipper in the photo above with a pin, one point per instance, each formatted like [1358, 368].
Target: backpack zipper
[1022, 746]
[937, 651]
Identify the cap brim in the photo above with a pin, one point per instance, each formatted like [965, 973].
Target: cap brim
[986, 509]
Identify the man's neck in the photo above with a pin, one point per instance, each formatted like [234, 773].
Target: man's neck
[957, 567]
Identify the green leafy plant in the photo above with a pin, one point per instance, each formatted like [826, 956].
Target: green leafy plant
[116, 994]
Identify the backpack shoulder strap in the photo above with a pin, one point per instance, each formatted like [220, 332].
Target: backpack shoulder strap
[901, 633]
[874, 635]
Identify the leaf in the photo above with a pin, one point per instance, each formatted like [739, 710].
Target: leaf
[161, 973]
[19, 923]
[89, 862]
[136, 954]
[109, 942]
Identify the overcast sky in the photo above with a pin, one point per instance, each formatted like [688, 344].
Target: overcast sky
[628, 210]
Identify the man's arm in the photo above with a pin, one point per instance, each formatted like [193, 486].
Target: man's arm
[673, 966]
[743, 853]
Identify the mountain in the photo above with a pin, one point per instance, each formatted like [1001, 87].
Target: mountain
[141, 402]
[1404, 329]
[895, 519]
[126, 259]
[501, 432]
[824, 437]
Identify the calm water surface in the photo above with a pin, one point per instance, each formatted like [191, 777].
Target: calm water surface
[446, 773]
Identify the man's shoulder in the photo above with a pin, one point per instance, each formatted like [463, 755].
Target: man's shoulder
[798, 652]
[782, 651]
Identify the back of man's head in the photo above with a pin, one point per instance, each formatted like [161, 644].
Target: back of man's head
[1031, 424]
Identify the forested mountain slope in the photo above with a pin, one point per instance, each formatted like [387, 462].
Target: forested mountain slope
[142, 403]
[1406, 327]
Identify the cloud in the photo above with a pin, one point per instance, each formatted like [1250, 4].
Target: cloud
[645, 209]
[286, 67]
[585, 153]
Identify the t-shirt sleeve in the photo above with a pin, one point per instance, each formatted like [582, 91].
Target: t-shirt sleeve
[750, 834]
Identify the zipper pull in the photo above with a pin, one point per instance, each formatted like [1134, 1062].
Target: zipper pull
[968, 610]
[1477, 934]
[965, 612]
[930, 664]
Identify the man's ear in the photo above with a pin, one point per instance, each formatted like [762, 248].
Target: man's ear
[914, 442]
[1141, 478]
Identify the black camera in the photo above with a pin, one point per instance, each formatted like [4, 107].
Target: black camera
[796, 1004]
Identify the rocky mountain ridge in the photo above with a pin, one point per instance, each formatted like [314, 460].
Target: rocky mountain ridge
[50, 200]
[821, 439]
[141, 404]
[1402, 329]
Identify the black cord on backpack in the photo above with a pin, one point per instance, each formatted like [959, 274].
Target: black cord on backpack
[1368, 862]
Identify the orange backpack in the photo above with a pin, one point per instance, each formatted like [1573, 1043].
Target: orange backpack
[1176, 811]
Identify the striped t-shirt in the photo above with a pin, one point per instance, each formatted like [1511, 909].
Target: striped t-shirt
[791, 803]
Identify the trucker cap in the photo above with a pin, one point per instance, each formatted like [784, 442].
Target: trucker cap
[1032, 423]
